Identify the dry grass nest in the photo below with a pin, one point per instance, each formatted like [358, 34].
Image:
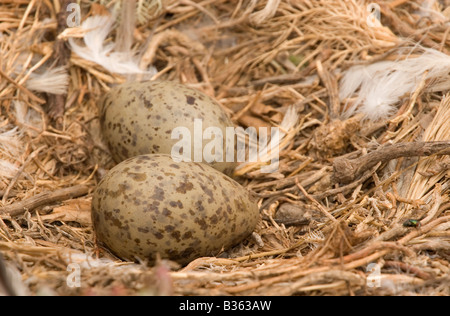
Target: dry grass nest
[357, 206]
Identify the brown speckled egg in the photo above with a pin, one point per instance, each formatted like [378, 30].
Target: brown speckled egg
[139, 117]
[149, 204]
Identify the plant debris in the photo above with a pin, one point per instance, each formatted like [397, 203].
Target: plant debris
[280, 63]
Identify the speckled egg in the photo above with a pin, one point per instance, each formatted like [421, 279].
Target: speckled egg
[149, 204]
[140, 117]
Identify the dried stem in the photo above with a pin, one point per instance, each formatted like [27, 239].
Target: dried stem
[44, 198]
[347, 170]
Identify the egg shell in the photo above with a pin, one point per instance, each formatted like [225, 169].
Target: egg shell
[149, 204]
[139, 117]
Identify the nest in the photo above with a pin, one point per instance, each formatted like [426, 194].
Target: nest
[356, 206]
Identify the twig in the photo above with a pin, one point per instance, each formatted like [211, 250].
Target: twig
[330, 83]
[44, 199]
[315, 176]
[369, 250]
[435, 244]
[346, 188]
[319, 206]
[434, 211]
[346, 170]
[61, 55]
[126, 27]
[293, 78]
[408, 268]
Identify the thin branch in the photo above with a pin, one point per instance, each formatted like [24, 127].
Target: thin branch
[347, 170]
[61, 55]
[44, 198]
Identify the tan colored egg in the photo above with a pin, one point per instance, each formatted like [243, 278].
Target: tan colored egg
[149, 204]
[145, 118]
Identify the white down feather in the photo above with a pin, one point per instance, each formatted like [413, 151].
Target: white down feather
[378, 87]
[97, 51]
[53, 80]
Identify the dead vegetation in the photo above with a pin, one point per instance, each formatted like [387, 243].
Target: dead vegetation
[333, 215]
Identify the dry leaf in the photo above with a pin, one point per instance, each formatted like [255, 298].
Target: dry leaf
[77, 210]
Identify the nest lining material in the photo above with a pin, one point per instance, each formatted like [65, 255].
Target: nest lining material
[261, 60]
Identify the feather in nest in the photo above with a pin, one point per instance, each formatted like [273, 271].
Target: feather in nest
[261, 151]
[105, 55]
[12, 140]
[380, 86]
[53, 80]
[10, 148]
[28, 117]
